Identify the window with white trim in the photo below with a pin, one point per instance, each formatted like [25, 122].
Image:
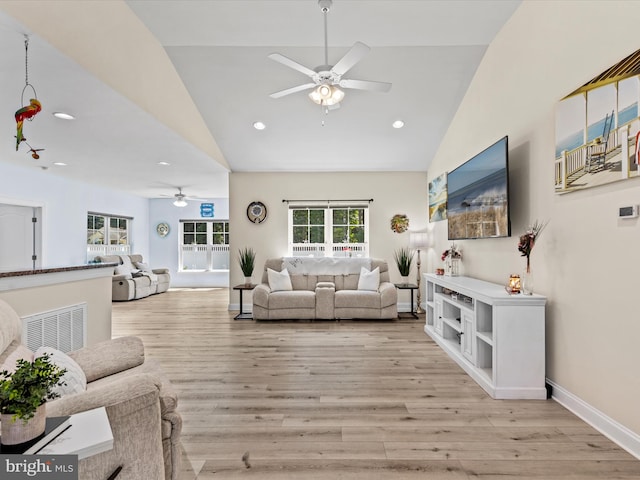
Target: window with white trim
[204, 245]
[107, 235]
[328, 231]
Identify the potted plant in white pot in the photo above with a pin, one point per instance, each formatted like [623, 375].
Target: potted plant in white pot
[247, 260]
[23, 394]
[404, 259]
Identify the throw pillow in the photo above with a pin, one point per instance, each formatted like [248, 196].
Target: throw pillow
[122, 270]
[369, 280]
[279, 281]
[74, 377]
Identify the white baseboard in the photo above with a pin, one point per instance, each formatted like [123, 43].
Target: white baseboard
[405, 307]
[606, 425]
[402, 307]
[246, 308]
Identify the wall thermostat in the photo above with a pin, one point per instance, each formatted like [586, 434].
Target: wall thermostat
[628, 212]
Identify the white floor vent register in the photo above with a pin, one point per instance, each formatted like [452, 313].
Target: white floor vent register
[64, 329]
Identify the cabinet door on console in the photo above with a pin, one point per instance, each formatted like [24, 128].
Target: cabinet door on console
[437, 320]
[469, 335]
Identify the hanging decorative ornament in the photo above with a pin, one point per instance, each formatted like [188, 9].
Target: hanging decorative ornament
[34, 151]
[29, 111]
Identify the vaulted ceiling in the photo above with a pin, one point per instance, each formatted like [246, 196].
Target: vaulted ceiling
[182, 82]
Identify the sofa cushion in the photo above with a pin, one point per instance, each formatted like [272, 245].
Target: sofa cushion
[347, 282]
[301, 282]
[357, 298]
[279, 281]
[292, 299]
[74, 378]
[369, 280]
[123, 270]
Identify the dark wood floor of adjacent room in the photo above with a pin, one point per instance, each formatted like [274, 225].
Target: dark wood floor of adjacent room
[347, 400]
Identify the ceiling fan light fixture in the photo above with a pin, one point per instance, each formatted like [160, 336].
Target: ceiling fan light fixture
[326, 95]
[180, 202]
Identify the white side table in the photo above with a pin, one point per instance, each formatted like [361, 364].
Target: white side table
[89, 434]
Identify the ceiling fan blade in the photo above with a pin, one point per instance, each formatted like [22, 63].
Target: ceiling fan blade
[353, 56]
[292, 64]
[291, 90]
[366, 85]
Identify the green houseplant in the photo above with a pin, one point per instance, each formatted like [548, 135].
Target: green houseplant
[247, 260]
[23, 394]
[404, 259]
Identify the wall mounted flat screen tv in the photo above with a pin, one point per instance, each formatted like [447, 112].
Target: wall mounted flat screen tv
[478, 195]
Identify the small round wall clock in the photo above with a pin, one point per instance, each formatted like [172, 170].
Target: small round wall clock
[163, 229]
[256, 212]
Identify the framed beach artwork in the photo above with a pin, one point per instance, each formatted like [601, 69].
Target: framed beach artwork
[438, 198]
[598, 129]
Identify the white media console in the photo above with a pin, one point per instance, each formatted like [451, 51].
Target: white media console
[497, 338]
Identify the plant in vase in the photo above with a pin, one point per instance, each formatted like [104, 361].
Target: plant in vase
[247, 260]
[525, 246]
[451, 258]
[404, 259]
[23, 394]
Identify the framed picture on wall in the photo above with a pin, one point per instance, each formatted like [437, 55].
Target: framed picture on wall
[438, 198]
[598, 129]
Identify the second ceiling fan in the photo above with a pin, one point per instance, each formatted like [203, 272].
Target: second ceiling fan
[326, 79]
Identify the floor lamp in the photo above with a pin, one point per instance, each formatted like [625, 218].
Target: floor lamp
[418, 241]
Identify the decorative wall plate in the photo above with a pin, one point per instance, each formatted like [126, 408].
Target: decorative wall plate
[163, 229]
[399, 223]
[256, 212]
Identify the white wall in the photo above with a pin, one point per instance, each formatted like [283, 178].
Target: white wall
[392, 193]
[164, 250]
[65, 204]
[586, 260]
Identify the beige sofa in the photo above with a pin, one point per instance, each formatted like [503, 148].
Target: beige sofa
[139, 400]
[132, 279]
[325, 289]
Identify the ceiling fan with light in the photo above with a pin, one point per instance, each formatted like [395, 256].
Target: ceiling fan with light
[181, 198]
[328, 78]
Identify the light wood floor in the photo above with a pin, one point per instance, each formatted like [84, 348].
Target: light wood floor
[347, 400]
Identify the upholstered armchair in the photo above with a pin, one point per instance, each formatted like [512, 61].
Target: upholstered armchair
[139, 400]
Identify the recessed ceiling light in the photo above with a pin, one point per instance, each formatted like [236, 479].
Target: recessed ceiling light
[398, 124]
[60, 164]
[164, 164]
[259, 126]
[64, 116]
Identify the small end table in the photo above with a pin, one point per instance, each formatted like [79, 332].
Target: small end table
[412, 287]
[89, 434]
[242, 287]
